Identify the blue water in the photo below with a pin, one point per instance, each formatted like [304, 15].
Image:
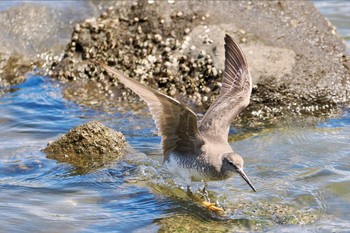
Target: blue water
[306, 168]
[39, 189]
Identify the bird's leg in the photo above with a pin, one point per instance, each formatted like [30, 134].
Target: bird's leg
[206, 202]
[205, 192]
[192, 195]
[212, 206]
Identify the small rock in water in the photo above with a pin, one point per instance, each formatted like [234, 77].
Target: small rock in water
[88, 147]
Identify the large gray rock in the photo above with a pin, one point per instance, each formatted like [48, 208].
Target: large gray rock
[35, 34]
[298, 62]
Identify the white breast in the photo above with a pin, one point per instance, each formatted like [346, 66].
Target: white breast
[187, 174]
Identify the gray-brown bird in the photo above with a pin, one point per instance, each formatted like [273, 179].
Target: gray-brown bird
[200, 153]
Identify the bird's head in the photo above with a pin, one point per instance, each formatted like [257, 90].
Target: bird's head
[235, 162]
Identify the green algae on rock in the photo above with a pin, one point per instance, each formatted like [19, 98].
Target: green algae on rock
[239, 215]
[88, 147]
[266, 217]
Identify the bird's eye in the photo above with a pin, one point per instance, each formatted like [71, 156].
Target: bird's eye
[232, 164]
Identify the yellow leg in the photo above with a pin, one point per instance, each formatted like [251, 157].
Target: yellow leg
[212, 206]
[208, 205]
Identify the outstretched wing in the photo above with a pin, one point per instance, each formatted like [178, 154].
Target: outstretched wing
[176, 123]
[234, 95]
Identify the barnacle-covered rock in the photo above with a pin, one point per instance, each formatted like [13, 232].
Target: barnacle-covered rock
[88, 147]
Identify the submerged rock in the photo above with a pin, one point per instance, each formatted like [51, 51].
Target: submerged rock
[267, 217]
[242, 216]
[298, 62]
[88, 147]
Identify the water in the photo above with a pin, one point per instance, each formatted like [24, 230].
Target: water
[338, 12]
[304, 169]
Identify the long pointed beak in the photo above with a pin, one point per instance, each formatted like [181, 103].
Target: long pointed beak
[245, 177]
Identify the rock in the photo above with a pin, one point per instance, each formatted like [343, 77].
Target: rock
[239, 215]
[299, 64]
[88, 147]
[47, 26]
[264, 217]
[13, 69]
[35, 35]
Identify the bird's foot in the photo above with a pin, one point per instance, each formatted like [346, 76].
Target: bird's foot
[209, 205]
[212, 206]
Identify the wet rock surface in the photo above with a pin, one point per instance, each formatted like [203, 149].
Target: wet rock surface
[88, 147]
[264, 215]
[242, 216]
[298, 62]
[13, 69]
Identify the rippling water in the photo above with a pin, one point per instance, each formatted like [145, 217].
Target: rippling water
[302, 171]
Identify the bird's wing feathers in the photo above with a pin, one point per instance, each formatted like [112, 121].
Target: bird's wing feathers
[176, 124]
[234, 95]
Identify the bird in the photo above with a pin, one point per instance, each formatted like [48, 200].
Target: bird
[200, 151]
